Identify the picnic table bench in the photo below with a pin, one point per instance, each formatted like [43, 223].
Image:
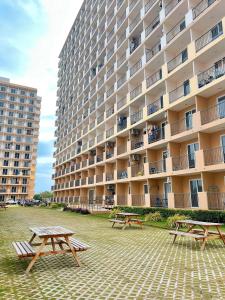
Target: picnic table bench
[3, 205]
[202, 231]
[53, 236]
[127, 219]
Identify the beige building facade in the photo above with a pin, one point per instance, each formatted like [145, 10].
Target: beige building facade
[19, 129]
[141, 105]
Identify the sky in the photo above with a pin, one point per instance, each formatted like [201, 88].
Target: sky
[32, 33]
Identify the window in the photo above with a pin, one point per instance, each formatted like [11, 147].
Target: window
[31, 101]
[19, 131]
[24, 180]
[27, 148]
[1, 104]
[18, 139]
[31, 94]
[217, 30]
[8, 138]
[26, 164]
[13, 189]
[20, 116]
[5, 163]
[10, 122]
[27, 156]
[16, 163]
[1, 112]
[13, 91]
[12, 98]
[17, 155]
[24, 189]
[22, 92]
[29, 124]
[11, 106]
[22, 100]
[5, 171]
[21, 107]
[17, 147]
[16, 172]
[9, 129]
[2, 96]
[4, 180]
[2, 88]
[11, 114]
[145, 188]
[6, 154]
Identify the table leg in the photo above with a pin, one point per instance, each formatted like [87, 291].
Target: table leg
[32, 238]
[53, 244]
[175, 236]
[36, 255]
[126, 220]
[72, 250]
[220, 234]
[204, 239]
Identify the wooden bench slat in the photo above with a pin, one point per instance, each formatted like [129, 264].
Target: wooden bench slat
[117, 221]
[188, 234]
[23, 249]
[77, 245]
[210, 231]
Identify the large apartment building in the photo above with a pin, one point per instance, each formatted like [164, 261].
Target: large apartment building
[19, 128]
[141, 105]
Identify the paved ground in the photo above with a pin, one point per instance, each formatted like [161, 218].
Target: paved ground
[129, 264]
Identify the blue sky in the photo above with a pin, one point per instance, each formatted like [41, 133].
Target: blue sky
[32, 33]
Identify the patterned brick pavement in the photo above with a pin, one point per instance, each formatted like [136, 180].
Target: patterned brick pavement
[130, 264]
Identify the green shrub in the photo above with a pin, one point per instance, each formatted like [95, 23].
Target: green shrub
[57, 205]
[171, 221]
[114, 212]
[153, 217]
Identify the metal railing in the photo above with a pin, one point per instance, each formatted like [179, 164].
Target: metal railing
[182, 125]
[136, 92]
[178, 60]
[181, 25]
[149, 5]
[216, 200]
[121, 39]
[209, 36]
[135, 68]
[137, 170]
[152, 26]
[109, 154]
[83, 181]
[121, 102]
[110, 112]
[158, 200]
[213, 73]
[153, 51]
[137, 143]
[154, 78]
[213, 113]
[136, 117]
[100, 118]
[122, 174]
[109, 132]
[110, 72]
[84, 163]
[121, 19]
[137, 200]
[156, 167]
[181, 91]
[99, 158]
[122, 200]
[110, 53]
[214, 156]
[200, 7]
[100, 137]
[156, 135]
[100, 100]
[171, 5]
[109, 176]
[121, 81]
[110, 34]
[91, 180]
[122, 149]
[110, 92]
[183, 162]
[134, 22]
[121, 60]
[155, 106]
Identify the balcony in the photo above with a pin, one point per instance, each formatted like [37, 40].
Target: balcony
[121, 19]
[183, 162]
[109, 132]
[216, 200]
[155, 106]
[137, 143]
[122, 123]
[158, 200]
[91, 142]
[121, 81]
[136, 117]
[135, 68]
[213, 113]
[99, 158]
[110, 112]
[186, 200]
[156, 135]
[110, 91]
[170, 6]
[122, 174]
[134, 43]
[149, 5]
[182, 125]
[110, 72]
[213, 73]
[153, 51]
[153, 78]
[100, 137]
[157, 167]
[84, 163]
[121, 60]
[137, 200]
[136, 92]
[214, 156]
[178, 60]
[109, 154]
[100, 119]
[135, 22]
[137, 170]
[180, 26]
[209, 36]
[91, 180]
[91, 161]
[152, 26]
[200, 7]
[122, 200]
[83, 181]
[109, 176]
[182, 91]
[122, 148]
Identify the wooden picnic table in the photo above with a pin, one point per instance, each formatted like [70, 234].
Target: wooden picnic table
[3, 205]
[199, 231]
[53, 236]
[125, 218]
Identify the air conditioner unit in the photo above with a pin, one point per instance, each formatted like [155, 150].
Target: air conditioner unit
[135, 131]
[135, 157]
[93, 152]
[109, 144]
[110, 187]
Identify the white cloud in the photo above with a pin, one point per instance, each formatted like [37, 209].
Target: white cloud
[44, 160]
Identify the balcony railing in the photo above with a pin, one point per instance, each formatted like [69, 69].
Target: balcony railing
[109, 154]
[216, 200]
[110, 92]
[100, 137]
[91, 180]
[121, 103]
[178, 60]
[201, 6]
[181, 91]
[153, 78]
[83, 181]
[121, 19]
[91, 142]
[183, 162]
[156, 134]
[134, 22]
[84, 163]
[213, 113]
[137, 170]
[132, 4]
[121, 81]
[110, 53]
[152, 26]
[109, 36]
[122, 200]
[214, 156]
[135, 68]
[209, 36]
[121, 39]
[182, 125]
[100, 100]
[77, 182]
[155, 106]
[156, 167]
[175, 30]
[122, 148]
[137, 143]
[122, 174]
[99, 158]
[109, 176]
[136, 92]
[138, 200]
[110, 72]
[170, 6]
[110, 112]
[185, 200]
[213, 73]
[153, 51]
[136, 117]
[109, 132]
[149, 5]
[158, 200]
[100, 119]
[121, 60]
